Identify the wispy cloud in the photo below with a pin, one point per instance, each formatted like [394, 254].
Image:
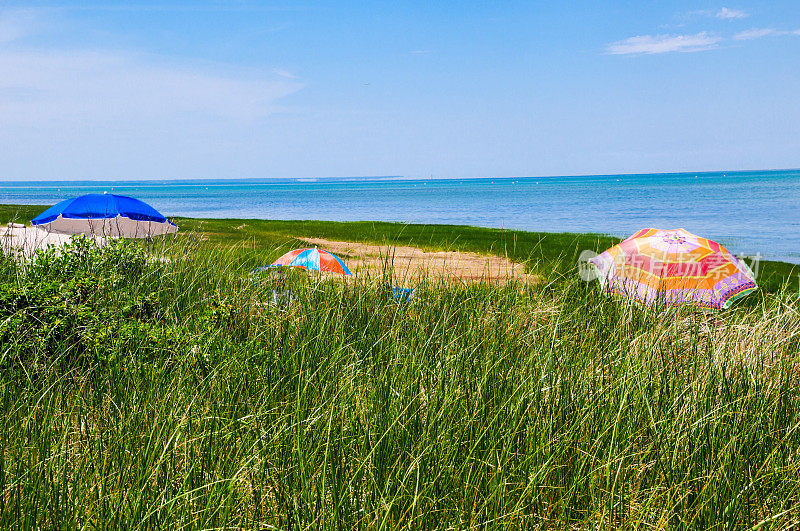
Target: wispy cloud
[280, 72]
[728, 14]
[723, 13]
[58, 84]
[653, 44]
[757, 33]
[116, 105]
[84, 86]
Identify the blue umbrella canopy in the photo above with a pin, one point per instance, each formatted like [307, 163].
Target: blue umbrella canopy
[108, 215]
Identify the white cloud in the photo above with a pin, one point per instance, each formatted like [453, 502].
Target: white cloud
[758, 33]
[652, 44]
[728, 14]
[79, 88]
[68, 112]
[89, 87]
[722, 14]
[754, 34]
[280, 72]
[100, 114]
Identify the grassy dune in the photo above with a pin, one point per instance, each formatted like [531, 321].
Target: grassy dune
[141, 393]
[548, 254]
[257, 242]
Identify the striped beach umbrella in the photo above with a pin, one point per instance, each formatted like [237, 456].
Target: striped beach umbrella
[313, 259]
[674, 268]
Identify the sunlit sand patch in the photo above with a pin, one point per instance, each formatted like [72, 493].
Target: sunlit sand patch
[28, 239]
[411, 263]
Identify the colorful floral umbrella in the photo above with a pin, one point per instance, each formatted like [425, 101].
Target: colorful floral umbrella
[313, 259]
[674, 268]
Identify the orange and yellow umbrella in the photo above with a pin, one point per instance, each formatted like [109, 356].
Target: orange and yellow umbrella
[674, 268]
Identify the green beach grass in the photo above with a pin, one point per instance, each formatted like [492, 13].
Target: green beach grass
[259, 242]
[171, 393]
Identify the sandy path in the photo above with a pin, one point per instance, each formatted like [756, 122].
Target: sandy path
[28, 239]
[411, 263]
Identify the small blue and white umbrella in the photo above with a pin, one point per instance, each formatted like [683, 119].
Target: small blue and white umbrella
[106, 215]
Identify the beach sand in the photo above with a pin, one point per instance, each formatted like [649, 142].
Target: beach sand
[28, 239]
[408, 263]
[412, 263]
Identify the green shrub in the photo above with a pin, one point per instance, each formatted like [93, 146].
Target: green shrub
[80, 303]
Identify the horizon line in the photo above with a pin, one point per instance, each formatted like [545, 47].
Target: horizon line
[391, 178]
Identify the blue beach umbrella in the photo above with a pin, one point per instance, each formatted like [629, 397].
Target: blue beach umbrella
[107, 215]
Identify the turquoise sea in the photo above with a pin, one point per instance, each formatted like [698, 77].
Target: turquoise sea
[750, 212]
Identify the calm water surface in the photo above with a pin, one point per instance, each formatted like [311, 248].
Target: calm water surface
[750, 212]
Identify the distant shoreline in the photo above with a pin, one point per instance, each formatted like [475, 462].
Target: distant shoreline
[726, 207]
[385, 178]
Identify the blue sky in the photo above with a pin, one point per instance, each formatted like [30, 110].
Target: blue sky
[172, 90]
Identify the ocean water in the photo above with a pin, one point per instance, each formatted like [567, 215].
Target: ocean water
[750, 212]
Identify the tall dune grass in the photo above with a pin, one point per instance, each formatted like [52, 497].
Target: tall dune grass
[193, 402]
